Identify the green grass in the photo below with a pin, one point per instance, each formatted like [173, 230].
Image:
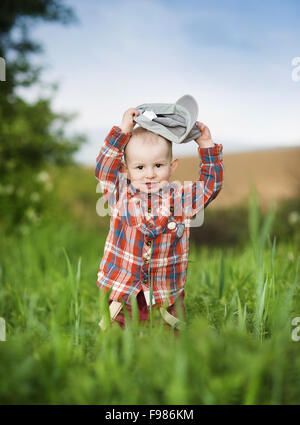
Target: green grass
[236, 347]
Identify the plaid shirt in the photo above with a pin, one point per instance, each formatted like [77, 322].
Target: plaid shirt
[149, 233]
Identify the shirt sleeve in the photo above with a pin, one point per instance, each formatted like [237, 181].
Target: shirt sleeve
[108, 164]
[211, 171]
[201, 192]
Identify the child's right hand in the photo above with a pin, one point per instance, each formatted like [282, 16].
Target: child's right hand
[128, 124]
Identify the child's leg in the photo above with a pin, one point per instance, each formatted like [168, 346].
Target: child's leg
[119, 318]
[175, 311]
[178, 306]
[144, 311]
[142, 308]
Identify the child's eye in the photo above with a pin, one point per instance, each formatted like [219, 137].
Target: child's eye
[140, 167]
[158, 165]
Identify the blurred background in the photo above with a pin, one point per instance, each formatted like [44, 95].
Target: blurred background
[73, 67]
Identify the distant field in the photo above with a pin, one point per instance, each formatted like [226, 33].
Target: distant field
[275, 173]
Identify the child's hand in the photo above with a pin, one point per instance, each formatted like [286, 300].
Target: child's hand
[128, 124]
[204, 141]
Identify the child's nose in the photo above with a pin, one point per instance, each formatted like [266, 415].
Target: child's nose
[150, 173]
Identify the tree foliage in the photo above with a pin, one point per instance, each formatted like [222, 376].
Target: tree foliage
[32, 135]
[16, 17]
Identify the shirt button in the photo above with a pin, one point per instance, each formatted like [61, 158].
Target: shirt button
[146, 261]
[172, 209]
[145, 280]
[149, 195]
[172, 225]
[149, 243]
[149, 210]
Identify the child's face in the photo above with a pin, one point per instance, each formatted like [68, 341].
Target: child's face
[149, 165]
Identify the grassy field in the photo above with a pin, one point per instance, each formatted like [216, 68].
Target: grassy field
[236, 347]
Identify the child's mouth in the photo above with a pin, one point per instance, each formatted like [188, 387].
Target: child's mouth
[150, 184]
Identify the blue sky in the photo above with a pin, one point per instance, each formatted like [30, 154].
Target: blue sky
[234, 57]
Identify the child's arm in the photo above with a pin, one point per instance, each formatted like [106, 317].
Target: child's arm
[210, 180]
[108, 162]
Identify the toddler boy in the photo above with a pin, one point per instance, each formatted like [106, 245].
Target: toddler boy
[146, 250]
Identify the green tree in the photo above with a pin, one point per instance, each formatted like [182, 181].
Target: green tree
[32, 135]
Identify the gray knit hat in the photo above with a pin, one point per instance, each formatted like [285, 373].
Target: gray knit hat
[174, 121]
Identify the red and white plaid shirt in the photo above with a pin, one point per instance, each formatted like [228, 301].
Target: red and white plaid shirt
[149, 233]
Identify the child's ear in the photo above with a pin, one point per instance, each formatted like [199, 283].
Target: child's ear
[174, 165]
[123, 167]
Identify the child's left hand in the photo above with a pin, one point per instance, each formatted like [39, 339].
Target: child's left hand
[204, 141]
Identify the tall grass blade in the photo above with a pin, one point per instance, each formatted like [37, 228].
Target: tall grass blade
[221, 276]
